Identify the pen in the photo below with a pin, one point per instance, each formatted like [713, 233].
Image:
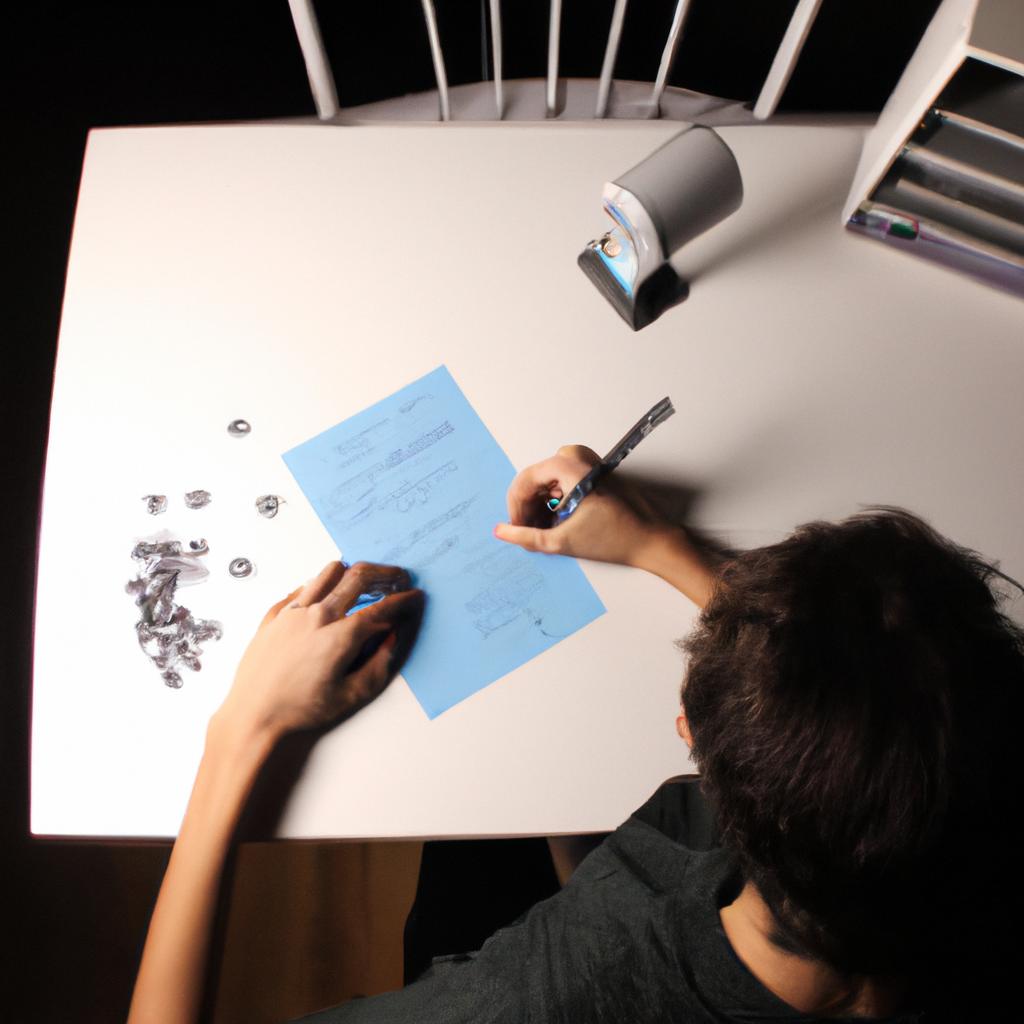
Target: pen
[564, 507]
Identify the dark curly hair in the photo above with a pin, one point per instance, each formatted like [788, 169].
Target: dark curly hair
[851, 693]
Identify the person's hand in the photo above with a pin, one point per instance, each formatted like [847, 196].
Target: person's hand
[614, 523]
[309, 664]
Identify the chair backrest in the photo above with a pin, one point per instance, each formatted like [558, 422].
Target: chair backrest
[572, 99]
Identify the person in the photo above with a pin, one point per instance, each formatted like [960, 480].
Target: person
[848, 699]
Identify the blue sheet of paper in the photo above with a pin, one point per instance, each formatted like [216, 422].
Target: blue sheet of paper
[417, 480]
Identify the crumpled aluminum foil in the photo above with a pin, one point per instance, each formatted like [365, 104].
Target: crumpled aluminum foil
[167, 632]
[268, 505]
[155, 503]
[198, 499]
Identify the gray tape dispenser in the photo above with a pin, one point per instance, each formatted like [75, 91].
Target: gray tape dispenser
[683, 188]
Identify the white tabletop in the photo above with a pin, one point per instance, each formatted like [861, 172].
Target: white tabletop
[293, 275]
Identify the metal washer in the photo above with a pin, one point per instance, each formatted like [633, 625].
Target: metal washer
[240, 568]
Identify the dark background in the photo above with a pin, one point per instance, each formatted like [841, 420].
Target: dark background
[76, 912]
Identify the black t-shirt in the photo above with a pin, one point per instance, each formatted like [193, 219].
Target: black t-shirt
[635, 936]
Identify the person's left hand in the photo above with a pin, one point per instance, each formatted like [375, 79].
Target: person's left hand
[303, 669]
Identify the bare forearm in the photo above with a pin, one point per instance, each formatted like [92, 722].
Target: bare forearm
[297, 673]
[169, 986]
[668, 553]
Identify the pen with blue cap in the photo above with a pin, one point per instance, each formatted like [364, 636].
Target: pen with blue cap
[565, 506]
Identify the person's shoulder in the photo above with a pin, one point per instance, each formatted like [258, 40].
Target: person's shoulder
[670, 844]
[679, 810]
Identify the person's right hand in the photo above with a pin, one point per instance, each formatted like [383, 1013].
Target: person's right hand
[613, 524]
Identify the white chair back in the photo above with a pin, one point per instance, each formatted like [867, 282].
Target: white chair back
[583, 99]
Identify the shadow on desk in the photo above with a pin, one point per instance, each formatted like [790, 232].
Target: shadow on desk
[784, 223]
[676, 502]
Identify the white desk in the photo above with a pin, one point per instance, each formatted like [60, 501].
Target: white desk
[292, 275]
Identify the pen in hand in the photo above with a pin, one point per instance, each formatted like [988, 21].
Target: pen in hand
[565, 506]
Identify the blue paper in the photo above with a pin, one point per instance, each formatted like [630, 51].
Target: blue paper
[417, 480]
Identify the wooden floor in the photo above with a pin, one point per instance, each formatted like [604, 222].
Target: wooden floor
[313, 924]
[308, 925]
